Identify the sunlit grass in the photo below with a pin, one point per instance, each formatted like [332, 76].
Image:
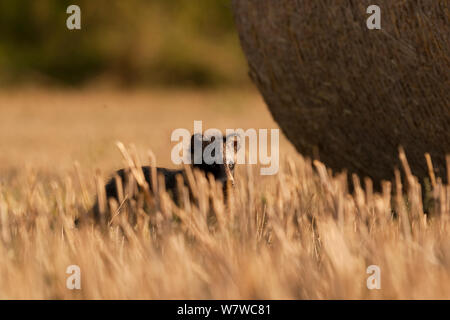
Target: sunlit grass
[299, 234]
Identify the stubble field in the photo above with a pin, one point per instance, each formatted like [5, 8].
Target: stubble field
[299, 234]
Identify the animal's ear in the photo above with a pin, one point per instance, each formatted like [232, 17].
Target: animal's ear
[233, 140]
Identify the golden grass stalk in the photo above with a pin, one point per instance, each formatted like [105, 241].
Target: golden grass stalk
[298, 235]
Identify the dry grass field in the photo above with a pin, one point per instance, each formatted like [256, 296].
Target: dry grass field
[296, 235]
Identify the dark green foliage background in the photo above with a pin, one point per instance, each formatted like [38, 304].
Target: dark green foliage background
[133, 42]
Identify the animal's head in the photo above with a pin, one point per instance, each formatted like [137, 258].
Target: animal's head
[214, 155]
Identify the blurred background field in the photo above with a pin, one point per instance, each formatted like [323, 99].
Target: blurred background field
[135, 71]
[126, 43]
[50, 129]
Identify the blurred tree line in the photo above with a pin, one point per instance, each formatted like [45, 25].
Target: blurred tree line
[132, 42]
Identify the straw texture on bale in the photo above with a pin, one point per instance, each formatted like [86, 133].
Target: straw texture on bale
[349, 95]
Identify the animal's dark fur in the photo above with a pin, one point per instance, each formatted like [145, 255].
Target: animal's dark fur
[222, 172]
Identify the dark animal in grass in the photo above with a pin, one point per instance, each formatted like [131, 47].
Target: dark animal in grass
[222, 169]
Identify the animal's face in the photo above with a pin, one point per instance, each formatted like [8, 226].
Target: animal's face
[218, 157]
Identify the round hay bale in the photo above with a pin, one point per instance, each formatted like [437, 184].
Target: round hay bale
[349, 95]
